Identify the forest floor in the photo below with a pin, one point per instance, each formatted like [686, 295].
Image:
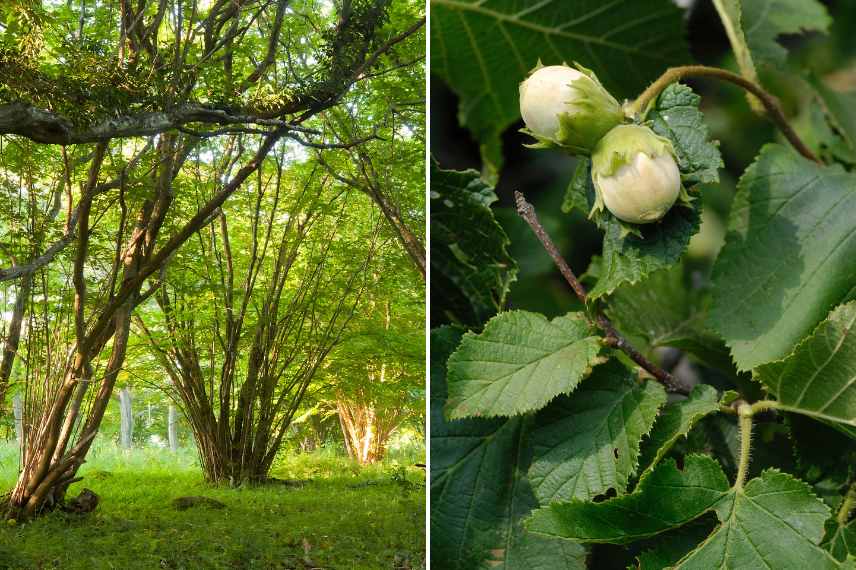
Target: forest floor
[344, 517]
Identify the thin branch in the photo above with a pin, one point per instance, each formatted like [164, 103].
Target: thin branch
[613, 338]
[771, 104]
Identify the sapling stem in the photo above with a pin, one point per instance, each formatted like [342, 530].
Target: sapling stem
[613, 338]
[771, 104]
[847, 506]
[744, 413]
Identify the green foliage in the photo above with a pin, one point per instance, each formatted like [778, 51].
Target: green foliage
[817, 378]
[749, 463]
[135, 525]
[665, 499]
[489, 469]
[519, 363]
[469, 255]
[588, 443]
[777, 277]
[676, 116]
[483, 52]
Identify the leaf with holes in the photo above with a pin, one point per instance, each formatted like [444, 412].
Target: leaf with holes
[588, 443]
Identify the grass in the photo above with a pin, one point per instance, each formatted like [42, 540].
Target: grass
[345, 517]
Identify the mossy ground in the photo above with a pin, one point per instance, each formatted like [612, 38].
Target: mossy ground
[345, 517]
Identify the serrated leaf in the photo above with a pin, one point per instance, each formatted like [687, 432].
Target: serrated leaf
[469, 249]
[519, 363]
[773, 522]
[840, 539]
[789, 257]
[819, 378]
[588, 443]
[676, 116]
[666, 499]
[675, 421]
[484, 50]
[479, 492]
[630, 259]
[664, 311]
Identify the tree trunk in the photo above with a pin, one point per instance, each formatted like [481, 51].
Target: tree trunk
[172, 428]
[126, 428]
[14, 336]
[18, 410]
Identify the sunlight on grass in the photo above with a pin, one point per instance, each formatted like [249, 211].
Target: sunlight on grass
[343, 516]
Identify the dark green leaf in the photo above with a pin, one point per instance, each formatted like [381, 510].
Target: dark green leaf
[773, 522]
[479, 491]
[675, 421]
[666, 499]
[778, 276]
[588, 443]
[469, 249]
[676, 116]
[664, 311]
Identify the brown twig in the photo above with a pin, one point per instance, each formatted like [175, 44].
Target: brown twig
[613, 338]
[771, 104]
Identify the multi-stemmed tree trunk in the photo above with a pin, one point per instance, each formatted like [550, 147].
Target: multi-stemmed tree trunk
[65, 401]
[278, 313]
[366, 427]
[172, 427]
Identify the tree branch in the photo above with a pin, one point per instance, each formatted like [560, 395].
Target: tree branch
[613, 338]
[771, 104]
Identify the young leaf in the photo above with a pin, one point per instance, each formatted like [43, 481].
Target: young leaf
[479, 491]
[666, 499]
[483, 51]
[777, 275]
[519, 363]
[773, 522]
[675, 421]
[469, 249]
[588, 443]
[676, 116]
[819, 378]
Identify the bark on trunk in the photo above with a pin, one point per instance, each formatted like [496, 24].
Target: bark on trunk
[13, 339]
